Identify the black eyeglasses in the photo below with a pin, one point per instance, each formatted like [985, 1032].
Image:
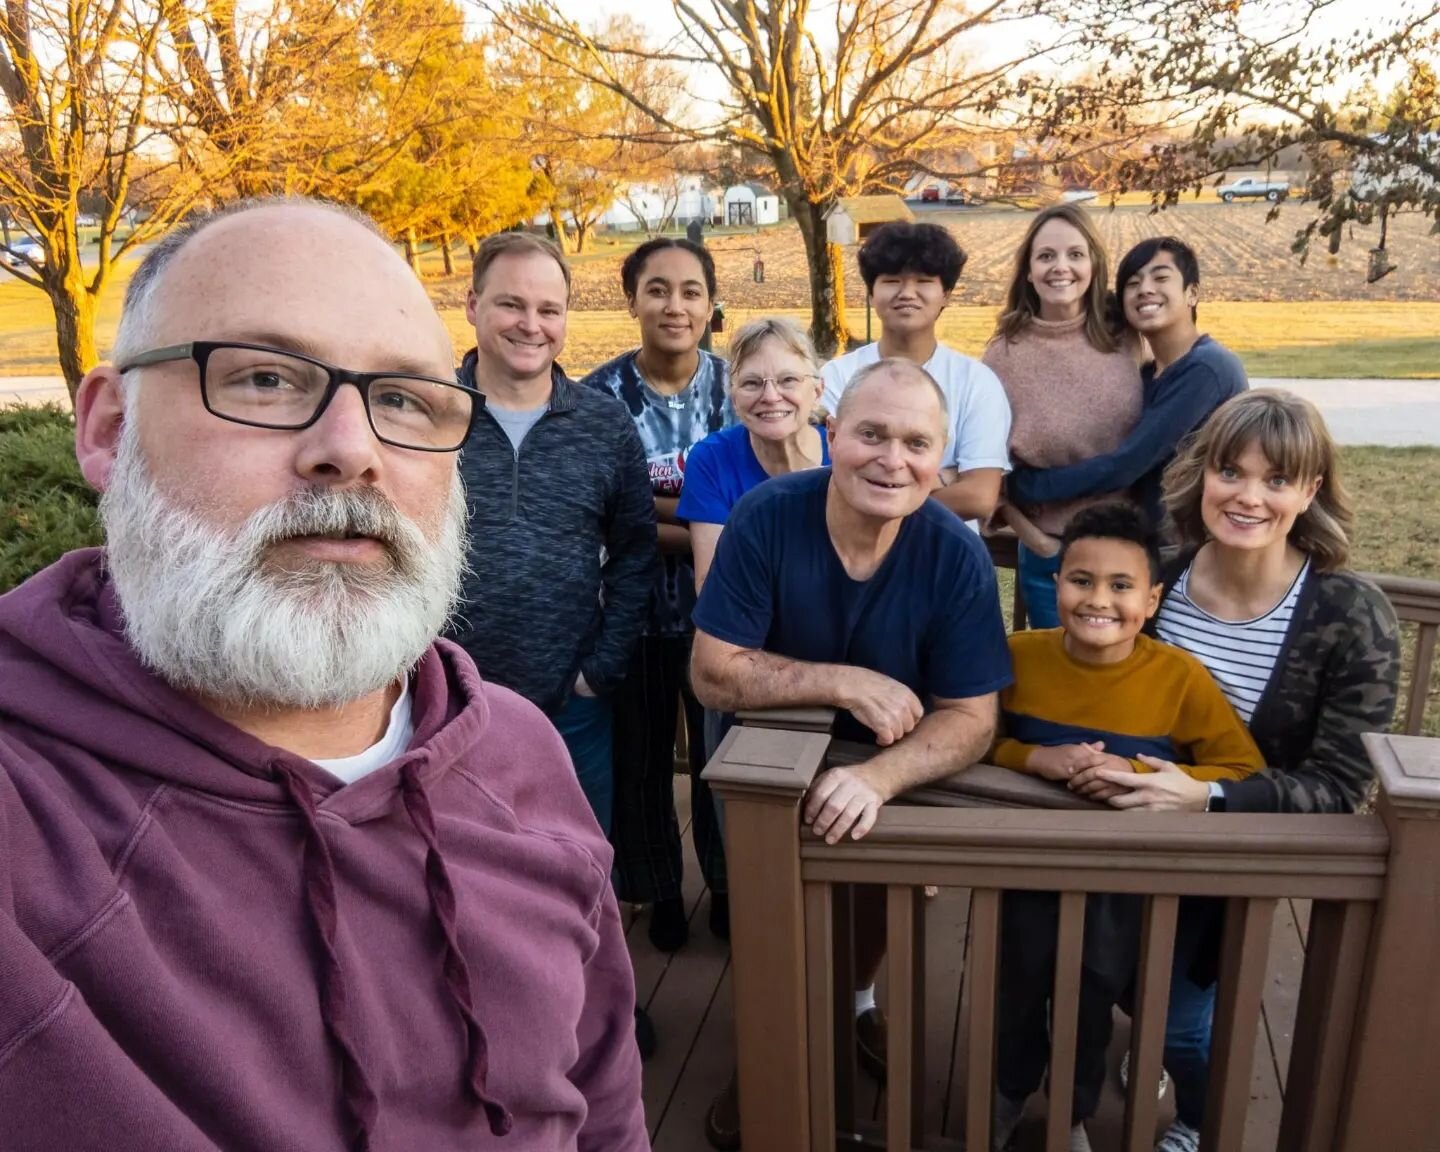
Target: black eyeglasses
[267, 388]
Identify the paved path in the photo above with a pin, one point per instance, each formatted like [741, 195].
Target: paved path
[1395, 413]
[32, 390]
[1390, 412]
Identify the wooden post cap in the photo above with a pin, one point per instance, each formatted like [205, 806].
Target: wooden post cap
[767, 760]
[1408, 768]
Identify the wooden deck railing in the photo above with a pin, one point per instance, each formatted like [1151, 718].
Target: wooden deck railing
[1367, 1024]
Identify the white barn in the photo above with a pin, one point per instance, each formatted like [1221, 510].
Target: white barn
[751, 204]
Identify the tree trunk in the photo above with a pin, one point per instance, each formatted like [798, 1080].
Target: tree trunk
[412, 251]
[826, 263]
[74, 326]
[446, 255]
[559, 233]
[582, 234]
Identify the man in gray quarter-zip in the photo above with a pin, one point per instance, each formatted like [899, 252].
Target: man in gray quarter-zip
[562, 552]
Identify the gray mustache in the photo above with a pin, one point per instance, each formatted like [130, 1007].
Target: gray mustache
[332, 512]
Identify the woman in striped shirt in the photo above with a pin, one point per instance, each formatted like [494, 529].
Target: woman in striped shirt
[1307, 652]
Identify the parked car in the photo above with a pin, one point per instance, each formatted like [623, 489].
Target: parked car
[15, 255]
[1272, 190]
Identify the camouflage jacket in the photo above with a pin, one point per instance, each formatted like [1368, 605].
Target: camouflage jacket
[1336, 677]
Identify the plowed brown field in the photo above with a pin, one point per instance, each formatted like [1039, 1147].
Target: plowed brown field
[1242, 257]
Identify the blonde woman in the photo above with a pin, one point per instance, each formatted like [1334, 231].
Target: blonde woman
[774, 388]
[1306, 651]
[1072, 379]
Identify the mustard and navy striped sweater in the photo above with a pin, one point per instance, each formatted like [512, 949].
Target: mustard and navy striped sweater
[1159, 701]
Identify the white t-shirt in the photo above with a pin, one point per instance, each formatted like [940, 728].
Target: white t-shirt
[979, 409]
[392, 745]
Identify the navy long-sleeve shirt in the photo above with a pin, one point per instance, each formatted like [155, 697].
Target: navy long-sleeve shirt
[1177, 402]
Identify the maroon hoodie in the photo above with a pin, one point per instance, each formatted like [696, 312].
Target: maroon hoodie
[207, 942]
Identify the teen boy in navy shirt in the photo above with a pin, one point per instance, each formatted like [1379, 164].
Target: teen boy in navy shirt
[1190, 376]
[847, 587]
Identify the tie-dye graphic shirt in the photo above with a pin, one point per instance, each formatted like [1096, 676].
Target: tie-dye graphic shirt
[669, 427]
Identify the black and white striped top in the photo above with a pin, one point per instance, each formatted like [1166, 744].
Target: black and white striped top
[1240, 654]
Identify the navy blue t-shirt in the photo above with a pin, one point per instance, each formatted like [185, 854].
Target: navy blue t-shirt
[929, 617]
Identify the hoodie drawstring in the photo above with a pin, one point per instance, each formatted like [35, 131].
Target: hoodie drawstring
[361, 1104]
[454, 967]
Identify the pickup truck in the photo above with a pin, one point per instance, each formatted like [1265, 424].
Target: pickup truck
[1249, 186]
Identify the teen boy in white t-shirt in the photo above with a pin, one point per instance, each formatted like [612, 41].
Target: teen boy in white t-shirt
[910, 271]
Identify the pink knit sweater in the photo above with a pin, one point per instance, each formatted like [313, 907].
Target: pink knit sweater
[1069, 401]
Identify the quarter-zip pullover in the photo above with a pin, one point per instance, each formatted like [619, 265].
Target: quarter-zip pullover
[562, 554]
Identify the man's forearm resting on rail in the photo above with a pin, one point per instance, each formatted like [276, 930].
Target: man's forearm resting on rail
[916, 748]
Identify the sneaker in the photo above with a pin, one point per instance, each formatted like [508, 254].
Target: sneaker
[1125, 1076]
[1007, 1119]
[1079, 1139]
[644, 1033]
[1179, 1137]
[722, 1121]
[720, 915]
[870, 1042]
[668, 927]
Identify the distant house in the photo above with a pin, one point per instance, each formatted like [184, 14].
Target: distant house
[751, 204]
[853, 218]
[980, 159]
[700, 201]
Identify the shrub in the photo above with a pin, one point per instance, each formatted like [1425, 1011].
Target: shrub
[46, 508]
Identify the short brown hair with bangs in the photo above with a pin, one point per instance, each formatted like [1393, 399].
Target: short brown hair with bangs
[512, 243]
[1292, 434]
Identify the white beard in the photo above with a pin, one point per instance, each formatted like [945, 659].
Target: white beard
[214, 614]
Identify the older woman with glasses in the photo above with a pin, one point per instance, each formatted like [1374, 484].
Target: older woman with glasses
[774, 386]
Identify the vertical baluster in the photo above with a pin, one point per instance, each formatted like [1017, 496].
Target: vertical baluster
[1147, 1031]
[917, 1033]
[900, 965]
[820, 995]
[1237, 1015]
[980, 1045]
[1065, 1009]
[843, 1012]
[1420, 684]
[1324, 1024]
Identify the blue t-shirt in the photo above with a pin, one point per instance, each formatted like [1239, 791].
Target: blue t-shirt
[721, 469]
[669, 427]
[929, 617]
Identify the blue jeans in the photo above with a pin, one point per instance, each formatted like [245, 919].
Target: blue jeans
[1037, 585]
[1187, 1042]
[585, 724]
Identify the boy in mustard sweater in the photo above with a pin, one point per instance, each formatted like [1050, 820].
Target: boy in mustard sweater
[1095, 691]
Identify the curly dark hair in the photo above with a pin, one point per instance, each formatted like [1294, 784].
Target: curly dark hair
[901, 246]
[635, 262]
[1115, 520]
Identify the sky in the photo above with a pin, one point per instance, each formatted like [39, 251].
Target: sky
[1337, 20]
